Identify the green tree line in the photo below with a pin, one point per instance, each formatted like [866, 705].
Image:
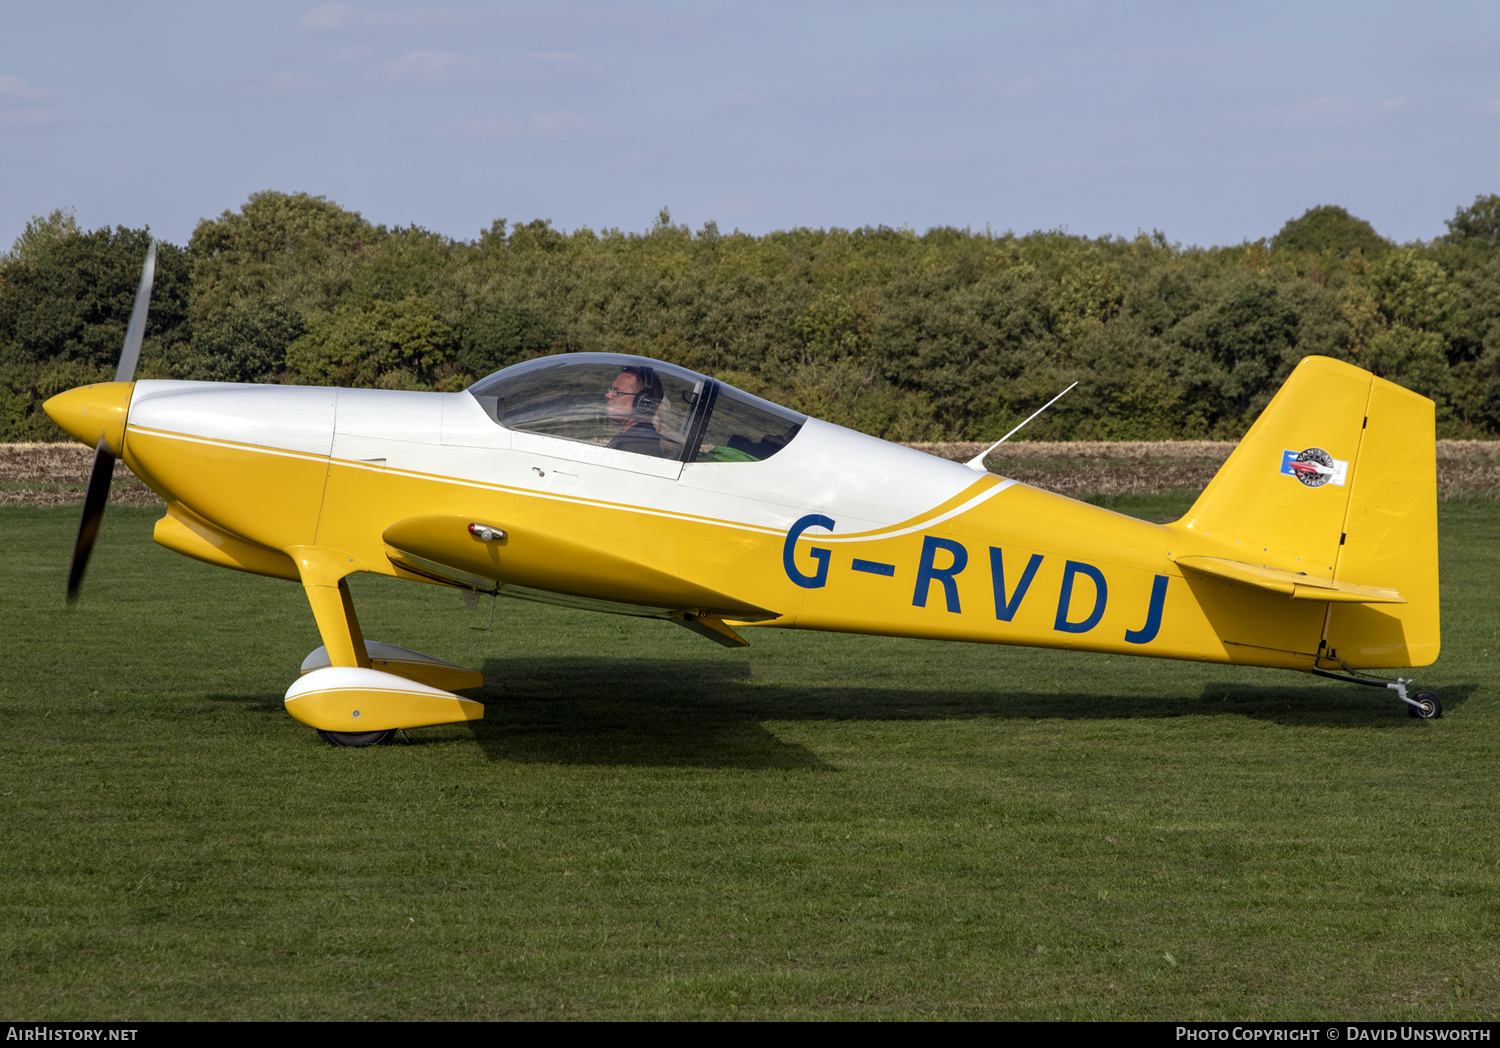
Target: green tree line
[948, 334]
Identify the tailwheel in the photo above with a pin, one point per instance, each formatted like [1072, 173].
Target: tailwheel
[357, 739]
[1427, 707]
[1424, 705]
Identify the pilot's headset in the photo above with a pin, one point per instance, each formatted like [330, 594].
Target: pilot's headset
[649, 398]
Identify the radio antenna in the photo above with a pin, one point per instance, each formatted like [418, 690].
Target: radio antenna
[977, 462]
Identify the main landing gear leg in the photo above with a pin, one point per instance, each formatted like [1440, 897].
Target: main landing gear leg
[327, 587]
[1424, 705]
[355, 693]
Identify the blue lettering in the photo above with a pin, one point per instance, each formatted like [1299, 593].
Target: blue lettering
[928, 571]
[1071, 570]
[1148, 632]
[1005, 610]
[819, 578]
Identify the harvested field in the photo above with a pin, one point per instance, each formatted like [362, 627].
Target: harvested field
[1465, 468]
[57, 474]
[1099, 468]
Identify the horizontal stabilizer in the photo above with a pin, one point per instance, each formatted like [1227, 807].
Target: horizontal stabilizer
[1293, 584]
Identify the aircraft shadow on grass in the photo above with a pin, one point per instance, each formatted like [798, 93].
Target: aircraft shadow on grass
[708, 713]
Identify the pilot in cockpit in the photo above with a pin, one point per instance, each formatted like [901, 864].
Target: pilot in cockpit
[631, 405]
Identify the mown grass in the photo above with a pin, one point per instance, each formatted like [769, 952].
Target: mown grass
[647, 826]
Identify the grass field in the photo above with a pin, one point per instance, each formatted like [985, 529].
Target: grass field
[649, 826]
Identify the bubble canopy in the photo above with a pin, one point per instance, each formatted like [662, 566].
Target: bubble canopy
[638, 405]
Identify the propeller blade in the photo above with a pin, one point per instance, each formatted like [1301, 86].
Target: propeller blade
[93, 513]
[136, 332]
[104, 462]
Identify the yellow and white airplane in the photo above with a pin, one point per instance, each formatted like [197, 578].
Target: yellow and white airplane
[631, 486]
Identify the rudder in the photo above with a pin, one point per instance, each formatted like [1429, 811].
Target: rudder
[1390, 533]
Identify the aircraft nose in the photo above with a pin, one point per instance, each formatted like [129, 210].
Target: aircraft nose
[91, 412]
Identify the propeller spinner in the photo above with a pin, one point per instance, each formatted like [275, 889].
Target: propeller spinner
[104, 451]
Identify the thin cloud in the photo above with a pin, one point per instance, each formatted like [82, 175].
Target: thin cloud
[560, 126]
[339, 16]
[480, 127]
[1489, 108]
[425, 66]
[1330, 112]
[351, 53]
[557, 61]
[25, 105]
[437, 66]
[13, 87]
[328, 18]
[563, 126]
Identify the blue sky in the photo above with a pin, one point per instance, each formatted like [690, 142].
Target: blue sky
[1213, 122]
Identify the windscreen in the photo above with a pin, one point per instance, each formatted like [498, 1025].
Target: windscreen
[743, 428]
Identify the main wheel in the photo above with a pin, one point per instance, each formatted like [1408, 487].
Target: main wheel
[357, 739]
[1427, 708]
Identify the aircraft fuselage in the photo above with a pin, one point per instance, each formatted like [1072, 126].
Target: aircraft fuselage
[840, 531]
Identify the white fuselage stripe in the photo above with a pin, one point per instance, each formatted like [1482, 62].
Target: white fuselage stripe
[921, 525]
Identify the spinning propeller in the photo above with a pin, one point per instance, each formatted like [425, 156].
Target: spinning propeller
[104, 458]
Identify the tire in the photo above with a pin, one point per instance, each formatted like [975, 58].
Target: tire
[357, 739]
[1428, 706]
